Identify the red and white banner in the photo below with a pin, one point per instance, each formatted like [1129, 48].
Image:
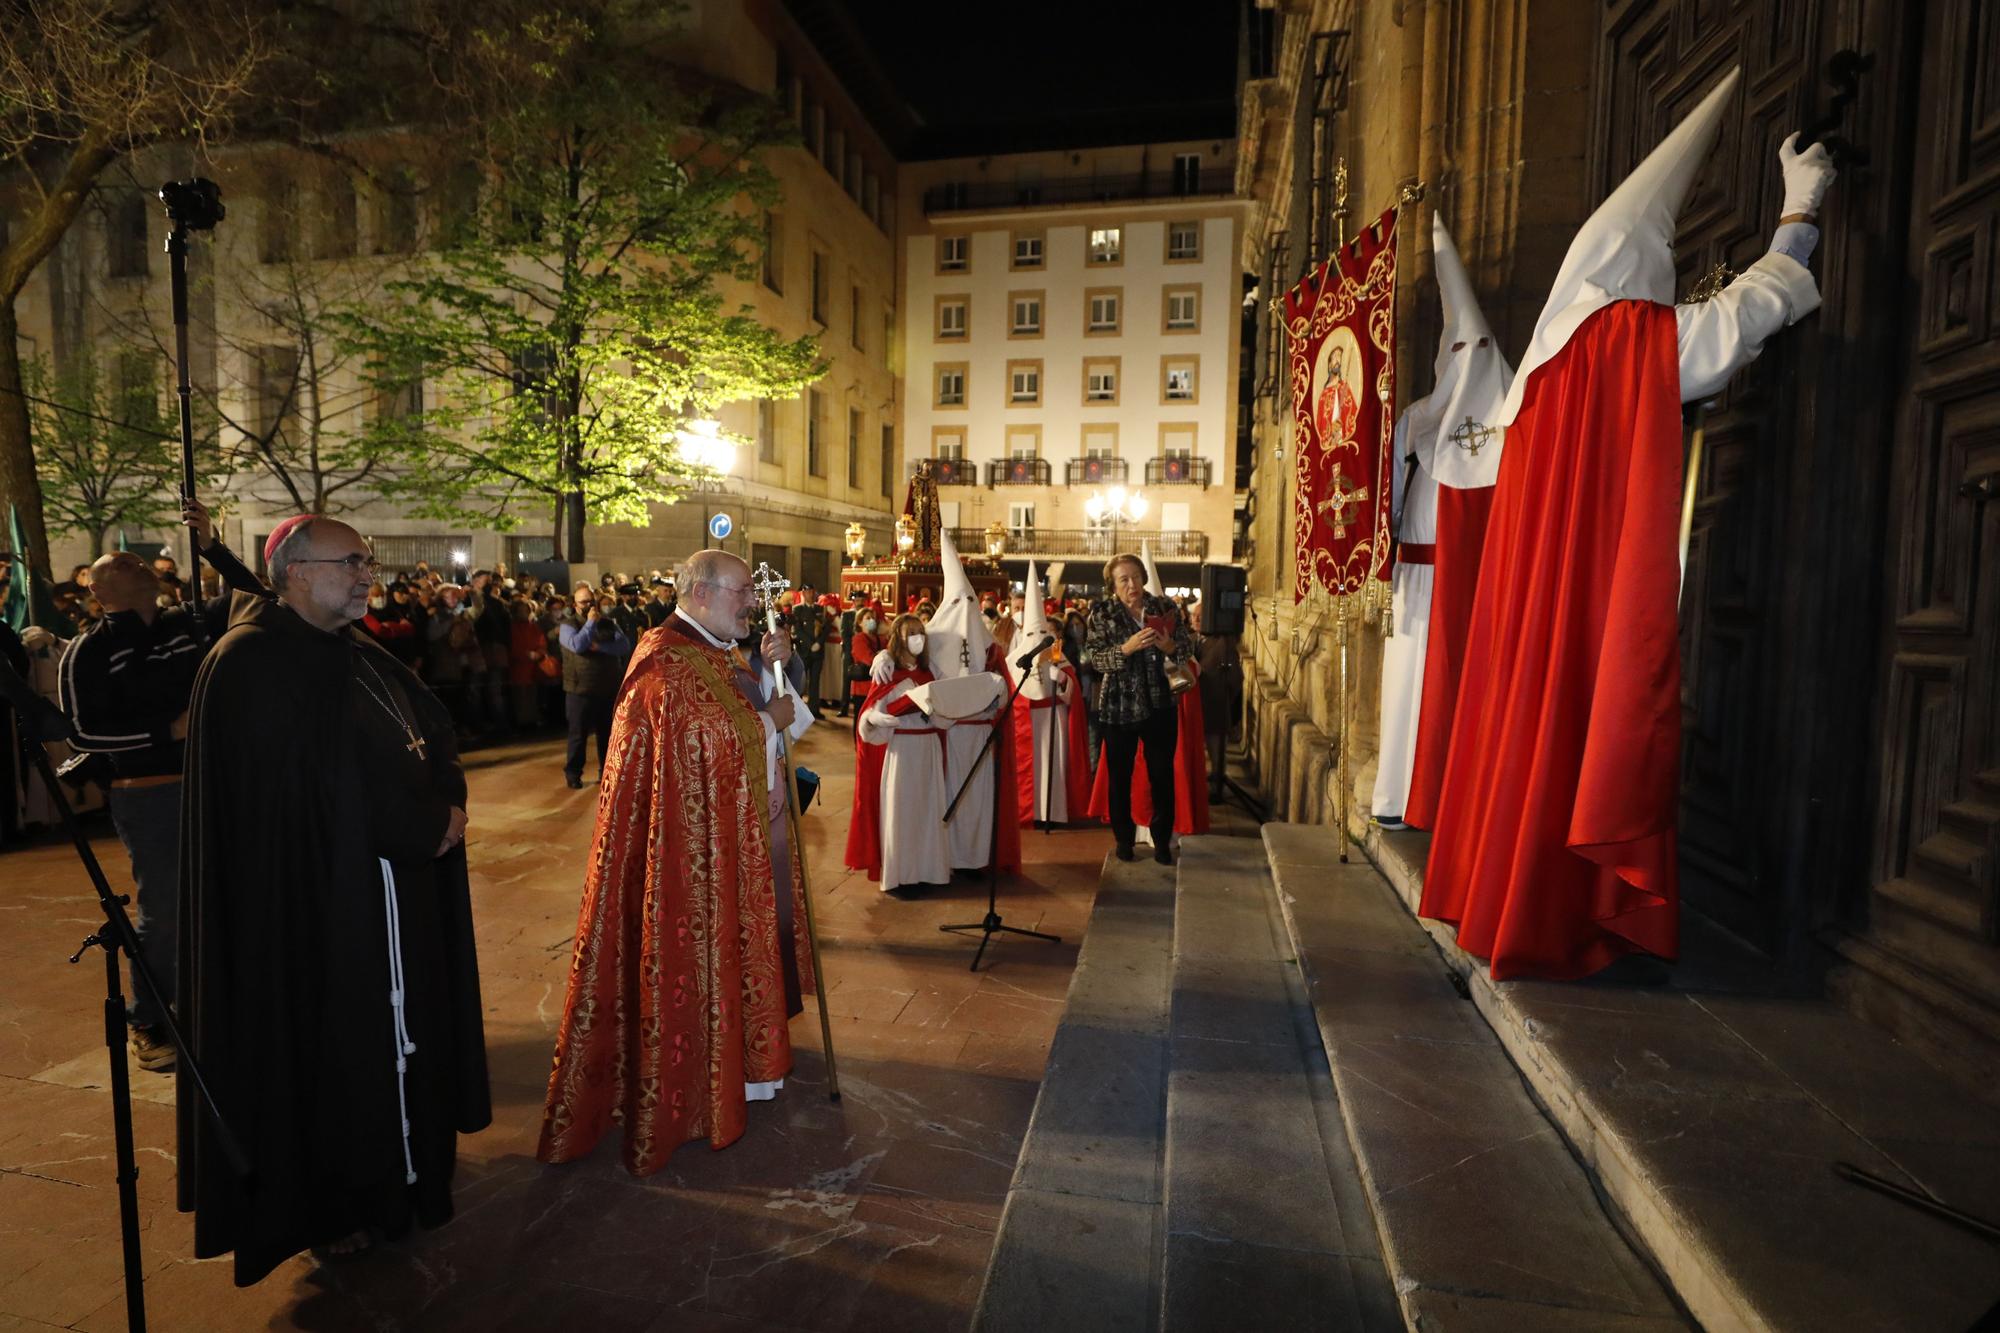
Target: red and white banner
[1341, 322]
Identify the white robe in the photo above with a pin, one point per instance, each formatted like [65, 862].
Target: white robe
[913, 796]
[970, 833]
[1051, 756]
[1717, 338]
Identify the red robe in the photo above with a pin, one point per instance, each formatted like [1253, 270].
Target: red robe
[1553, 849]
[676, 986]
[864, 827]
[1461, 534]
[1006, 817]
[1190, 776]
[1077, 789]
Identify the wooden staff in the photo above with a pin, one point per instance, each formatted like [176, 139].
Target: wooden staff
[768, 583]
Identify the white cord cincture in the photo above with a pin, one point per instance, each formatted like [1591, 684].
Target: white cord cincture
[401, 1031]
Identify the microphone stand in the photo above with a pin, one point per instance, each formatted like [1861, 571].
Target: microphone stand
[39, 722]
[991, 924]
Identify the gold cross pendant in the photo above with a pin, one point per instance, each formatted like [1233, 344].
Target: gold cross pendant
[416, 745]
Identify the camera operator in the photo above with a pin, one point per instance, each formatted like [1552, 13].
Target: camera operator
[125, 686]
[594, 651]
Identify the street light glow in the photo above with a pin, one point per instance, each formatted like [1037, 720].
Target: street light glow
[702, 444]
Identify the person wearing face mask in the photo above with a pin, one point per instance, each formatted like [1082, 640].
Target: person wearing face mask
[387, 625]
[862, 646]
[897, 832]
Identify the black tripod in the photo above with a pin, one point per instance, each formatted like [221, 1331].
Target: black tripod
[39, 722]
[991, 925]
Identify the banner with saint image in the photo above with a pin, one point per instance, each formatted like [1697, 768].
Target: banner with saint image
[1341, 325]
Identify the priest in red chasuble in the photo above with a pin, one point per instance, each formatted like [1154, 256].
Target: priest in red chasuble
[675, 1016]
[1555, 826]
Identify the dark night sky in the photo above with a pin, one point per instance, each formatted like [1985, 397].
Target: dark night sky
[991, 76]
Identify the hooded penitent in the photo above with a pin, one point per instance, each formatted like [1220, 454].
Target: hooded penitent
[1051, 732]
[957, 641]
[1554, 832]
[1451, 456]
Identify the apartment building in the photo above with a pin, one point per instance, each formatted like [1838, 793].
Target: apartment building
[1071, 320]
[814, 464]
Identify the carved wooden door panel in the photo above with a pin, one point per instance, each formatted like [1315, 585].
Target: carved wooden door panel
[1657, 60]
[1936, 872]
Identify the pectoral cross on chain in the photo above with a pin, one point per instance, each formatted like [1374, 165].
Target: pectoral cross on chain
[1340, 501]
[416, 745]
[1471, 436]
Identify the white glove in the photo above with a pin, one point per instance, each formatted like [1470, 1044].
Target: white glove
[875, 717]
[883, 667]
[1807, 175]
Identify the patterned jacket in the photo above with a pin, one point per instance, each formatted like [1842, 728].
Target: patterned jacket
[1133, 688]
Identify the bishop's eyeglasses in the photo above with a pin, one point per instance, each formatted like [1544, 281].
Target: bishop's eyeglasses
[355, 564]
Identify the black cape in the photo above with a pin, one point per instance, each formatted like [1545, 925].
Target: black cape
[296, 783]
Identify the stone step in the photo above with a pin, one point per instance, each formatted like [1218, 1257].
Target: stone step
[1712, 1122]
[1080, 1237]
[1486, 1220]
[1266, 1225]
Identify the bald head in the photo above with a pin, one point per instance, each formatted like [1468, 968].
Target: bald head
[123, 581]
[715, 591]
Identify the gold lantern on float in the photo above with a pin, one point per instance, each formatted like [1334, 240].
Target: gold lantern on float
[996, 539]
[906, 535]
[857, 542]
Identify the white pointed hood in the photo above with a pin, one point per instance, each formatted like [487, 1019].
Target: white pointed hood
[1034, 628]
[1471, 380]
[957, 638]
[1624, 252]
[1153, 584]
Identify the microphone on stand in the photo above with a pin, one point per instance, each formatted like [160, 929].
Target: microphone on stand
[1027, 659]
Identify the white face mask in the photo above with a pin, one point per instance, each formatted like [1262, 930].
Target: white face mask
[377, 603]
[916, 642]
[868, 626]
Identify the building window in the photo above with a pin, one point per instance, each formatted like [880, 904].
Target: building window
[1024, 383]
[774, 252]
[1177, 439]
[953, 254]
[400, 398]
[1024, 442]
[767, 431]
[948, 444]
[277, 393]
[836, 157]
[853, 448]
[1021, 518]
[854, 317]
[1180, 310]
[950, 384]
[1179, 379]
[1107, 245]
[819, 287]
[274, 229]
[952, 316]
[1027, 316]
[888, 333]
[871, 197]
[396, 215]
[126, 238]
[1102, 307]
[815, 440]
[1187, 173]
[1100, 442]
[1183, 241]
[888, 460]
[334, 228]
[1028, 249]
[854, 176]
[815, 126]
[1100, 381]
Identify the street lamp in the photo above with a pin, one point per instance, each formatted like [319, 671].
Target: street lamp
[1116, 505]
[701, 443]
[996, 539]
[857, 542]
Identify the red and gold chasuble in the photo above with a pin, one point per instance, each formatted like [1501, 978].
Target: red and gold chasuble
[676, 990]
[1340, 321]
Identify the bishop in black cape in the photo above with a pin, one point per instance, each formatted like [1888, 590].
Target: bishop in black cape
[298, 780]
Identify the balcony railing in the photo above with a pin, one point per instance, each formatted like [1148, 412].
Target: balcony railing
[1018, 472]
[970, 196]
[950, 471]
[1095, 471]
[1175, 470]
[1088, 543]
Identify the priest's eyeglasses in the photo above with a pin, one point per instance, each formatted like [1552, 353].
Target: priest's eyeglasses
[354, 564]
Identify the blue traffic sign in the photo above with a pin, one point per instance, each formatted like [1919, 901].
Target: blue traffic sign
[720, 526]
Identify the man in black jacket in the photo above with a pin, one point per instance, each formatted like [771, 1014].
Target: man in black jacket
[125, 686]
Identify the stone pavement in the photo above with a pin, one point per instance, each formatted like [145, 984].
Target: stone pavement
[878, 1213]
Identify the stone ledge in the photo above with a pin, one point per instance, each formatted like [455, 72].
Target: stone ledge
[1480, 1207]
[1712, 1122]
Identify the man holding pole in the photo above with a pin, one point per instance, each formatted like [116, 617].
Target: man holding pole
[675, 1036]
